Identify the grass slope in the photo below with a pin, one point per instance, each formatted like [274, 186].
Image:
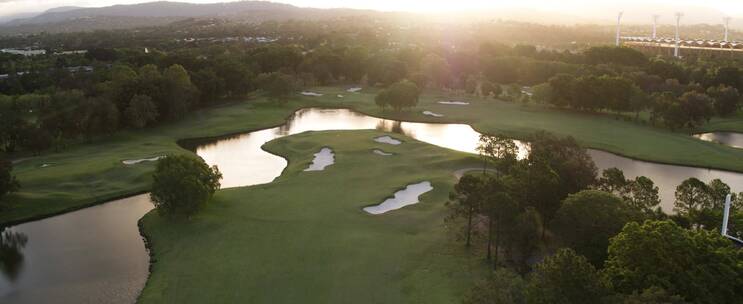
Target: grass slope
[305, 239]
[83, 175]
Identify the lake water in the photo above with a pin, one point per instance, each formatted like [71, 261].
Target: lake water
[732, 139]
[96, 255]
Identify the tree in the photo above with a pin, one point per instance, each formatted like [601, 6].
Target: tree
[698, 108]
[437, 69]
[8, 182]
[542, 93]
[278, 86]
[181, 93]
[497, 149]
[563, 86]
[488, 89]
[498, 206]
[653, 295]
[643, 195]
[612, 180]
[566, 278]
[587, 220]
[211, 86]
[726, 99]
[97, 116]
[615, 55]
[37, 140]
[691, 196]
[567, 158]
[699, 265]
[501, 287]
[468, 195]
[401, 95]
[182, 184]
[141, 111]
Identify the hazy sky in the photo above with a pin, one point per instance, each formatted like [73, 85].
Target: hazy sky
[731, 7]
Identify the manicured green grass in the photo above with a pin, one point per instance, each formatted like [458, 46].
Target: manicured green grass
[305, 239]
[86, 174]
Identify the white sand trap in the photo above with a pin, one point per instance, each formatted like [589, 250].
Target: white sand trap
[454, 103]
[429, 113]
[340, 96]
[308, 93]
[380, 152]
[322, 159]
[387, 140]
[45, 165]
[402, 198]
[136, 161]
[354, 90]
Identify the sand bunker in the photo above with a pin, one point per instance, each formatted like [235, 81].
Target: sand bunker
[308, 93]
[387, 140]
[380, 152]
[136, 161]
[354, 90]
[45, 165]
[322, 159]
[429, 113]
[454, 103]
[340, 96]
[402, 198]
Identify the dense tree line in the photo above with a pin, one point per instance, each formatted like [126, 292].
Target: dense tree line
[604, 225]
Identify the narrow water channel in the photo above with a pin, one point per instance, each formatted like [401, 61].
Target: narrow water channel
[96, 255]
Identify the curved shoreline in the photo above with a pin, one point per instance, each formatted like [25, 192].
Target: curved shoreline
[189, 144]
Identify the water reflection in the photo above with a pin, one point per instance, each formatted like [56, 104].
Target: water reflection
[11, 253]
[94, 255]
[242, 161]
[731, 139]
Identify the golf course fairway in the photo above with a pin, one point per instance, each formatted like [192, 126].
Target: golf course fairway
[305, 239]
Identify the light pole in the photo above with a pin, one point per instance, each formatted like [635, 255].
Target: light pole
[678, 39]
[655, 26]
[619, 24]
[727, 27]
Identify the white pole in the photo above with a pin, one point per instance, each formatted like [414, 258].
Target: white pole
[678, 39]
[726, 215]
[619, 24]
[655, 26]
[727, 26]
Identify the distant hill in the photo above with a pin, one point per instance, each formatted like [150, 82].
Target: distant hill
[72, 19]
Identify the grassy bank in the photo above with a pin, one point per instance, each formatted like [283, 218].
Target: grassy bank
[83, 175]
[305, 239]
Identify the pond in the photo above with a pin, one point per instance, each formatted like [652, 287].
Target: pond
[96, 255]
[732, 139]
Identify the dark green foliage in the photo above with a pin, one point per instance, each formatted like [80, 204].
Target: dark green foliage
[726, 99]
[182, 184]
[401, 95]
[278, 86]
[615, 55]
[501, 287]
[467, 199]
[566, 278]
[8, 182]
[141, 111]
[587, 220]
[699, 265]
